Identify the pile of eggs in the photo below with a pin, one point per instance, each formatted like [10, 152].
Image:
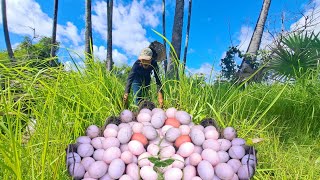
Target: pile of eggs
[122, 151]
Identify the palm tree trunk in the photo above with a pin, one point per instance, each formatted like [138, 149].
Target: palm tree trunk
[176, 40]
[54, 32]
[88, 33]
[6, 32]
[109, 43]
[257, 34]
[187, 36]
[164, 32]
[246, 68]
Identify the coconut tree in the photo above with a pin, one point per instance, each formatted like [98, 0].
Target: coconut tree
[187, 36]
[176, 39]
[246, 66]
[295, 56]
[88, 32]
[5, 30]
[109, 43]
[54, 31]
[164, 32]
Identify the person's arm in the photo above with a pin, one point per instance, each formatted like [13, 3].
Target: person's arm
[156, 76]
[130, 79]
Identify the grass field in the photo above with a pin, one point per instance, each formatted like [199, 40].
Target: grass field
[63, 104]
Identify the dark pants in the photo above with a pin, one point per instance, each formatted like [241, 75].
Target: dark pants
[139, 91]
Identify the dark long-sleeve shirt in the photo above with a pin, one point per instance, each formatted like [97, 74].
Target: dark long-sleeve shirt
[139, 74]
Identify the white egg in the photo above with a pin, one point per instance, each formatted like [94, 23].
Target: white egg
[167, 152]
[179, 161]
[110, 154]
[205, 170]
[212, 134]
[249, 159]
[126, 116]
[136, 147]
[211, 156]
[127, 157]
[209, 128]
[165, 143]
[145, 110]
[125, 177]
[245, 172]
[171, 112]
[173, 174]
[189, 172]
[110, 132]
[153, 149]
[122, 125]
[195, 159]
[106, 177]
[223, 156]
[229, 133]
[211, 144]
[224, 171]
[144, 117]
[184, 129]
[236, 152]
[83, 140]
[147, 173]
[97, 142]
[158, 119]
[98, 169]
[225, 144]
[156, 110]
[93, 131]
[113, 126]
[110, 142]
[137, 127]
[124, 147]
[186, 149]
[85, 150]
[172, 134]
[98, 154]
[200, 127]
[133, 171]
[165, 128]
[86, 162]
[183, 117]
[149, 132]
[238, 142]
[124, 135]
[235, 164]
[143, 159]
[197, 136]
[116, 168]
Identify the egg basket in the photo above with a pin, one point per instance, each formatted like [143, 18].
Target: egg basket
[248, 165]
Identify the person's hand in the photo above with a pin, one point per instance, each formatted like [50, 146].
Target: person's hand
[125, 100]
[160, 99]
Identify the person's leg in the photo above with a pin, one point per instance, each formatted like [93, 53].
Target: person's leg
[136, 87]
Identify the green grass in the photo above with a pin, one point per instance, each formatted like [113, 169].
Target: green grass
[63, 103]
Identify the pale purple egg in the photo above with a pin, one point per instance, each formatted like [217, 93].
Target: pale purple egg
[93, 131]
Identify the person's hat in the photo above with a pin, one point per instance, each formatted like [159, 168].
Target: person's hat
[146, 54]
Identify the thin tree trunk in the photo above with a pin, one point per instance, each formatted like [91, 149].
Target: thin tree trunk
[109, 43]
[6, 32]
[54, 32]
[187, 36]
[88, 33]
[176, 40]
[164, 32]
[257, 34]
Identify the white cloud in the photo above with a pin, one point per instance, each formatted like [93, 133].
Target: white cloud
[129, 23]
[119, 59]
[312, 11]
[206, 69]
[25, 17]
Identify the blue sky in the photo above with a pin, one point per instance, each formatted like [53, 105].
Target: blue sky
[215, 25]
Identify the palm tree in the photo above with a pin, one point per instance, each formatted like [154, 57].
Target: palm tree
[88, 33]
[6, 32]
[109, 43]
[54, 32]
[176, 40]
[297, 54]
[187, 36]
[245, 67]
[164, 32]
